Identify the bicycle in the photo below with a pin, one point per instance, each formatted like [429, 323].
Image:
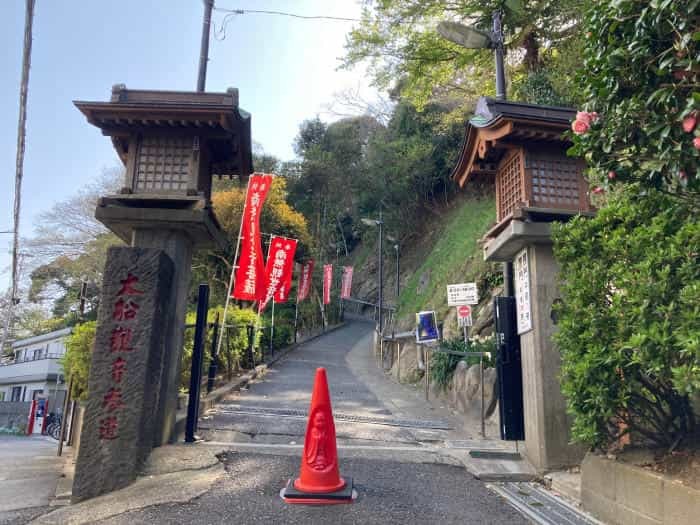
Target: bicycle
[53, 426]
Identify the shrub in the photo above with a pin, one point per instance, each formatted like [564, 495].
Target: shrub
[233, 346]
[629, 329]
[443, 365]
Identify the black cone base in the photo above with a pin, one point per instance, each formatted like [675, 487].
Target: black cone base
[292, 495]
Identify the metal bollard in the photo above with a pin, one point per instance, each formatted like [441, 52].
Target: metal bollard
[427, 373]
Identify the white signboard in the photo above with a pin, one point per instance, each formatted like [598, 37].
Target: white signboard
[523, 310]
[459, 294]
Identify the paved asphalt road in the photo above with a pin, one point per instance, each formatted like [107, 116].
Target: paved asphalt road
[29, 472]
[393, 487]
[398, 479]
[389, 492]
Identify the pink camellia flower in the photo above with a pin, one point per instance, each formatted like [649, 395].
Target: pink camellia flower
[689, 122]
[683, 178]
[584, 116]
[611, 175]
[598, 190]
[579, 126]
[696, 142]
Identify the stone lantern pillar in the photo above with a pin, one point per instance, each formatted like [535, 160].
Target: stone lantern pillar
[171, 143]
[521, 148]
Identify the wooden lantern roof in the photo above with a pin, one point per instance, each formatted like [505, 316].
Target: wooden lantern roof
[215, 117]
[499, 126]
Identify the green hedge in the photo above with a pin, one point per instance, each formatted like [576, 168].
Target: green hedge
[629, 329]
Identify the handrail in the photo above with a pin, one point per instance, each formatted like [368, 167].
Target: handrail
[29, 360]
[385, 306]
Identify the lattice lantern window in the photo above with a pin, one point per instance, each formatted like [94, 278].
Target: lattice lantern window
[510, 191]
[555, 181]
[163, 165]
[541, 180]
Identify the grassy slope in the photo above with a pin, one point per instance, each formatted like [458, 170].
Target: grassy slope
[452, 256]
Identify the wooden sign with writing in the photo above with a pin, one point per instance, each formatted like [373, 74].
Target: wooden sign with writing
[126, 370]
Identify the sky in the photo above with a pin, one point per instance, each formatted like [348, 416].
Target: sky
[285, 69]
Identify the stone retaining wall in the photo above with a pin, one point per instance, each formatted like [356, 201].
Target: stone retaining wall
[623, 494]
[464, 391]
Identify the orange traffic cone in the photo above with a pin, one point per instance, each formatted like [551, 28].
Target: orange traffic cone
[319, 481]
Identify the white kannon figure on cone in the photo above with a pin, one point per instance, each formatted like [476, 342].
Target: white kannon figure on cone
[318, 454]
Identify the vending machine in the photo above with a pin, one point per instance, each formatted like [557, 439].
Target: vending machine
[41, 413]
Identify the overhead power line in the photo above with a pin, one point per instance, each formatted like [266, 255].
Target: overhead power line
[284, 13]
[220, 32]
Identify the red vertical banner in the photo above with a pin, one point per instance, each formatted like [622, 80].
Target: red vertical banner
[327, 282]
[282, 292]
[278, 270]
[346, 284]
[307, 270]
[250, 281]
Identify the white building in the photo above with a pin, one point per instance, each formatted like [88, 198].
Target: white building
[34, 370]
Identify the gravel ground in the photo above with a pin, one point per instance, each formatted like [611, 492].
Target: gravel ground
[20, 517]
[389, 492]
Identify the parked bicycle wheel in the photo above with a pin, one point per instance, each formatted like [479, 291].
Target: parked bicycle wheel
[55, 430]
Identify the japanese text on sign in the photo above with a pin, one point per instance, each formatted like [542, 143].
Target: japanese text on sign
[124, 312]
[327, 282]
[464, 293]
[521, 274]
[307, 271]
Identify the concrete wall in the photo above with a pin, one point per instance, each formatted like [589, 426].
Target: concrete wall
[623, 494]
[14, 415]
[547, 426]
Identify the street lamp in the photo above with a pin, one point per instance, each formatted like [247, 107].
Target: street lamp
[398, 274]
[473, 38]
[380, 299]
[393, 239]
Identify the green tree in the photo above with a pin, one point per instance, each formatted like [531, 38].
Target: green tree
[277, 217]
[76, 361]
[398, 39]
[70, 247]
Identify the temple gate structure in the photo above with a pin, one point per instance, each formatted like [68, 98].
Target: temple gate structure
[521, 148]
[171, 143]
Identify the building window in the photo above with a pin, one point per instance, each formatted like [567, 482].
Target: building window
[2, 396]
[16, 393]
[36, 393]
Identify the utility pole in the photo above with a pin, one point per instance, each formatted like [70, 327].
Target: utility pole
[204, 46]
[19, 172]
[380, 294]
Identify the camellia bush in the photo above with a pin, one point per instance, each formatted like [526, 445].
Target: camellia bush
[641, 78]
[629, 328]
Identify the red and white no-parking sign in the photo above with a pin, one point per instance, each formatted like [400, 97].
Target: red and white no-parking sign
[464, 315]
